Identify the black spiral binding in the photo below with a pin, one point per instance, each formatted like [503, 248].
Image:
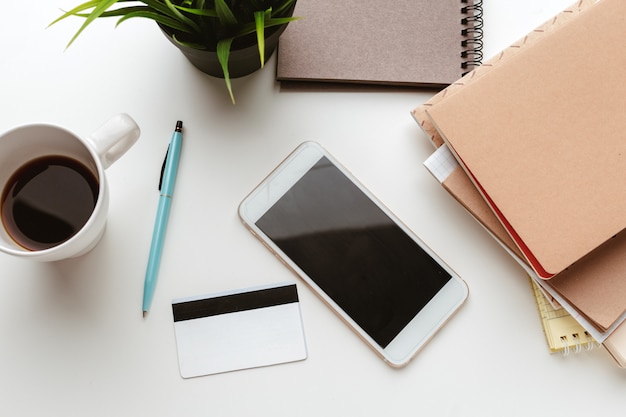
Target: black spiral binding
[472, 33]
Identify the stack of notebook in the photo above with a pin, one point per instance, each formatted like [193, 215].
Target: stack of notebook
[535, 152]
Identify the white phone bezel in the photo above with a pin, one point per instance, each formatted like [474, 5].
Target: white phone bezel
[423, 326]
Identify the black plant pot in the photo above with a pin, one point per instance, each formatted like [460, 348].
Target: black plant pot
[243, 60]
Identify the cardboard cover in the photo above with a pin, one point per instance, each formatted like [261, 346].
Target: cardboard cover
[541, 138]
[615, 344]
[398, 42]
[461, 188]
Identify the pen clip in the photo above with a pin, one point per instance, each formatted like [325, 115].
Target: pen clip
[163, 167]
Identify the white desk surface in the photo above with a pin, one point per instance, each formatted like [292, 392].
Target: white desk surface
[73, 340]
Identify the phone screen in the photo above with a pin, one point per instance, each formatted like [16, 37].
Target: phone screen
[353, 251]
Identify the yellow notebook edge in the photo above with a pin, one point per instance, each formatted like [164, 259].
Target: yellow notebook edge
[563, 333]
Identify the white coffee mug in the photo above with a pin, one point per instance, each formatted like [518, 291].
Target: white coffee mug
[21, 146]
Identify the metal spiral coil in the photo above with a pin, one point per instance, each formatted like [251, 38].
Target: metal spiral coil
[472, 32]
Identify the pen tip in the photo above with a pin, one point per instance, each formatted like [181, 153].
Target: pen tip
[179, 125]
[144, 313]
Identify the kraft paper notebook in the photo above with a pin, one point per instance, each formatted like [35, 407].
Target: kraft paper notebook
[597, 295]
[593, 287]
[542, 138]
[599, 301]
[390, 42]
[616, 345]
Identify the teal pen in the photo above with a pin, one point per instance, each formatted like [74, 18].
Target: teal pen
[168, 178]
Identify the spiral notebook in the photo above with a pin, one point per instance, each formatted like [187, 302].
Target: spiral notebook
[563, 333]
[390, 42]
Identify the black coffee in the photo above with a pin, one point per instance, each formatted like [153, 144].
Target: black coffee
[47, 201]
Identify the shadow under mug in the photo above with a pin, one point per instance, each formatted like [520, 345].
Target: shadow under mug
[96, 152]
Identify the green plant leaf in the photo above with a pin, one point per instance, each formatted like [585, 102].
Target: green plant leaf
[224, 14]
[276, 21]
[188, 44]
[259, 20]
[251, 27]
[157, 5]
[197, 11]
[100, 7]
[181, 16]
[223, 54]
[76, 10]
[159, 18]
[154, 5]
[281, 10]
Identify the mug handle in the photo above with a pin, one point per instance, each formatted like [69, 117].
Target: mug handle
[114, 138]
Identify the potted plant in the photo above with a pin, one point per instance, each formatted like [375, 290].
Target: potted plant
[223, 38]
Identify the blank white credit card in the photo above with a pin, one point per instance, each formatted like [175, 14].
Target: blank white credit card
[240, 329]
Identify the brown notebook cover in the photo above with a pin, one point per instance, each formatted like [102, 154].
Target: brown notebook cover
[391, 42]
[541, 138]
[593, 287]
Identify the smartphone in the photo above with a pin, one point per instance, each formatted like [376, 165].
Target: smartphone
[356, 255]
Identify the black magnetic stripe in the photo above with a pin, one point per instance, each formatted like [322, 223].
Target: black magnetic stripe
[250, 300]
